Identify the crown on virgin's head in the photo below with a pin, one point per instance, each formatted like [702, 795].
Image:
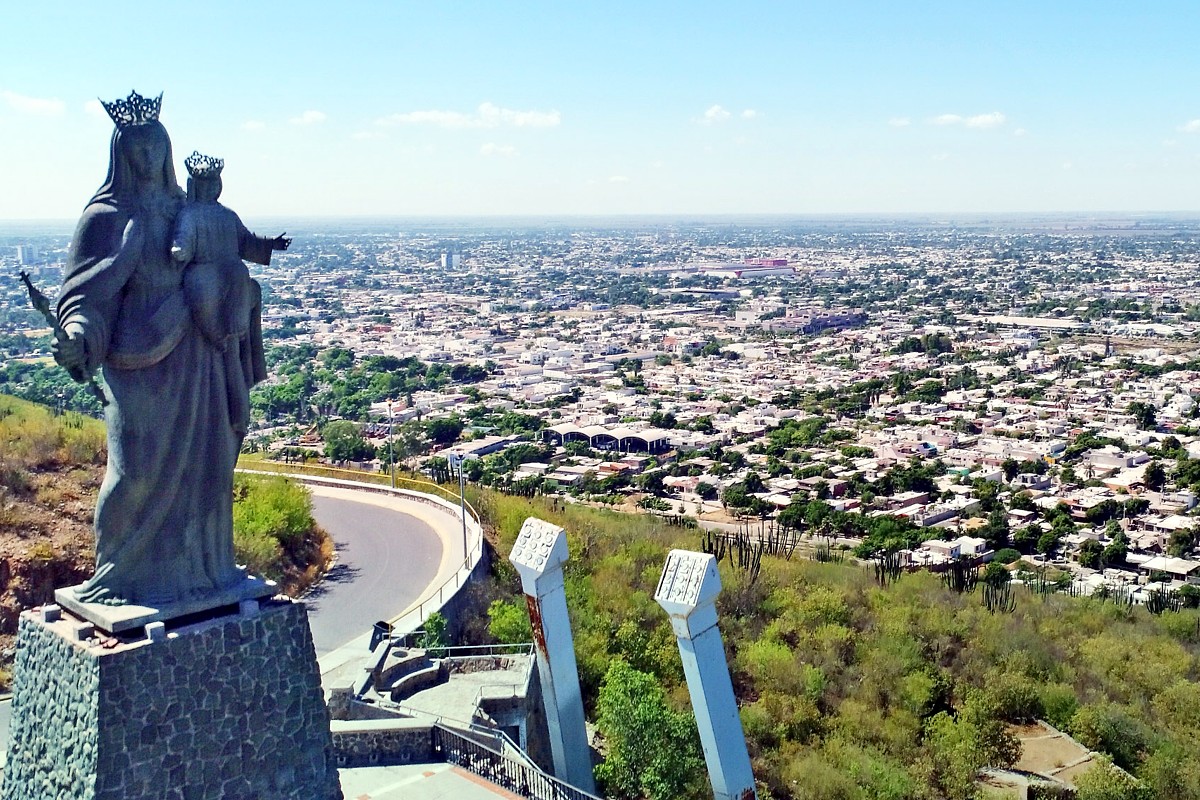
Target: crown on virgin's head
[199, 166]
[133, 110]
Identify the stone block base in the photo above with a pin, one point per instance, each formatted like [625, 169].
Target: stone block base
[227, 708]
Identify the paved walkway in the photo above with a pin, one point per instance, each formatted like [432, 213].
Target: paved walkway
[418, 782]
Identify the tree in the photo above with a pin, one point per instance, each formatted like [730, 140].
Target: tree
[578, 448]
[653, 751]
[344, 442]
[444, 430]
[1145, 414]
[1025, 539]
[1155, 476]
[1117, 549]
[652, 482]
[1181, 542]
[735, 496]
[1090, 554]
[1022, 501]
[996, 531]
[1011, 467]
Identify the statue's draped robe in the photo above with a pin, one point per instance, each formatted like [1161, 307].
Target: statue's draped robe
[164, 513]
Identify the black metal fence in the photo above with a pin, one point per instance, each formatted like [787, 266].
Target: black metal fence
[508, 773]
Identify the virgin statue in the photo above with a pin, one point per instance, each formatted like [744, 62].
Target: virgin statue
[164, 526]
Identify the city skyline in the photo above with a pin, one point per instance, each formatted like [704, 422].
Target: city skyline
[625, 109]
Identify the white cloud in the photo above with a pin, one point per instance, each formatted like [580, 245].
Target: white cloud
[941, 156]
[1019, 132]
[253, 125]
[749, 113]
[618, 179]
[493, 116]
[1191, 126]
[899, 122]
[309, 117]
[361, 135]
[985, 121]
[488, 115]
[34, 106]
[978, 121]
[93, 108]
[501, 150]
[715, 114]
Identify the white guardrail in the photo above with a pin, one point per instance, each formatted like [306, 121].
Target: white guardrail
[433, 599]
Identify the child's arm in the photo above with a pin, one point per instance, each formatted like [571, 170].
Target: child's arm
[258, 249]
[183, 246]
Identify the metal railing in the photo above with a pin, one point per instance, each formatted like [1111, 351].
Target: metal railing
[502, 770]
[412, 619]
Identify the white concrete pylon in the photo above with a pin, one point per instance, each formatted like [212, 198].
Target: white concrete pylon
[539, 553]
[688, 591]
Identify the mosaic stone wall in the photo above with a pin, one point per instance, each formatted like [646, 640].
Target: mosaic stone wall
[229, 708]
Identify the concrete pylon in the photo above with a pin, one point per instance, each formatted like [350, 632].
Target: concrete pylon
[538, 555]
[688, 592]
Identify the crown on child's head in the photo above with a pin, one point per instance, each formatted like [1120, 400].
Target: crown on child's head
[199, 166]
[133, 110]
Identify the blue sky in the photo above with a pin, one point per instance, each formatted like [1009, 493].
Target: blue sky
[455, 108]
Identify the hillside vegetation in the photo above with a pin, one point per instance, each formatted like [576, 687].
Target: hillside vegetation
[50, 471]
[853, 690]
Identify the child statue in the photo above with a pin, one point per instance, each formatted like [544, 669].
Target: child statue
[210, 242]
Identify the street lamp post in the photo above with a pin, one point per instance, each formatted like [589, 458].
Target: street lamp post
[391, 460]
[462, 507]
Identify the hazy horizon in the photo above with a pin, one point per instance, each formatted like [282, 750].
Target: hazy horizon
[548, 109]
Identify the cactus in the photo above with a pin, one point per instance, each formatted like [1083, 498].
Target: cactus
[1161, 600]
[961, 576]
[887, 566]
[999, 598]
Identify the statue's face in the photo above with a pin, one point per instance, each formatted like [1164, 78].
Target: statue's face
[146, 152]
[208, 189]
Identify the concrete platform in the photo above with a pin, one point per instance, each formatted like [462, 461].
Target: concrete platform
[418, 782]
[130, 616]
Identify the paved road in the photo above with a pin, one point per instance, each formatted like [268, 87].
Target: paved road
[385, 560]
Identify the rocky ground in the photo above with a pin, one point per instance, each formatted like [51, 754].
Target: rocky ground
[45, 538]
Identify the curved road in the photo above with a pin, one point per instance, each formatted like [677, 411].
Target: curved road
[386, 559]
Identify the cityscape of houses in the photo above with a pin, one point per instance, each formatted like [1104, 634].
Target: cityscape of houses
[1047, 369]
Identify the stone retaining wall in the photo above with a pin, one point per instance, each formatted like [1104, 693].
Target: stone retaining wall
[382, 742]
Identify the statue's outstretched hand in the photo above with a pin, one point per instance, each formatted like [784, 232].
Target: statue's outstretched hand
[71, 354]
[281, 242]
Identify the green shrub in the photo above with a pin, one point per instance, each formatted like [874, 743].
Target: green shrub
[1006, 555]
[508, 622]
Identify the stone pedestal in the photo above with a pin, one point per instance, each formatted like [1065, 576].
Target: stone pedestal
[225, 708]
[131, 616]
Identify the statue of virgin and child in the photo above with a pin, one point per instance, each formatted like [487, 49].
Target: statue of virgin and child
[156, 296]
